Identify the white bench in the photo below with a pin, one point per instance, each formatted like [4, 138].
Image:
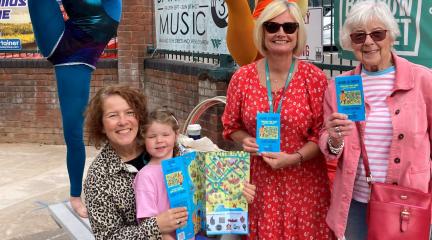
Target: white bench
[78, 228]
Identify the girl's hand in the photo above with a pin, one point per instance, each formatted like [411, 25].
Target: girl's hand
[249, 145]
[172, 219]
[338, 126]
[277, 160]
[249, 191]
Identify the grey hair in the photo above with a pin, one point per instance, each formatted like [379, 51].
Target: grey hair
[273, 10]
[364, 12]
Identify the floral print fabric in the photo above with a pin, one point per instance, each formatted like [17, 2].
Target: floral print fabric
[291, 203]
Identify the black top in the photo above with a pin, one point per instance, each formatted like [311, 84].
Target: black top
[140, 161]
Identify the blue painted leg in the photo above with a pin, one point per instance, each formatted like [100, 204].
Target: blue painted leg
[48, 23]
[73, 83]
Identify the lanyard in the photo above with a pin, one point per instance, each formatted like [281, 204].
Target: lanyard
[268, 84]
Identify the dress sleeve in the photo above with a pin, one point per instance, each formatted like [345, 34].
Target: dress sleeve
[317, 84]
[231, 118]
[145, 196]
[107, 222]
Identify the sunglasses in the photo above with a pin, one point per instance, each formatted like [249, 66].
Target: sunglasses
[288, 27]
[360, 37]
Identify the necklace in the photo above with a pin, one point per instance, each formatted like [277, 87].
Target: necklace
[268, 85]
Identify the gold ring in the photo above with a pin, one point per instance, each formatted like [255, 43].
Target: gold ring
[337, 129]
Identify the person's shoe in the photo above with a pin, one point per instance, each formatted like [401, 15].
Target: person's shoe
[78, 206]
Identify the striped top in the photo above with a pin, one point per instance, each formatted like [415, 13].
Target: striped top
[377, 86]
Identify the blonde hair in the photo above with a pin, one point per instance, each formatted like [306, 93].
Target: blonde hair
[163, 116]
[273, 10]
[364, 12]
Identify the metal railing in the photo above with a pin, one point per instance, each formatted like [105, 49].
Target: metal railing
[332, 64]
[221, 60]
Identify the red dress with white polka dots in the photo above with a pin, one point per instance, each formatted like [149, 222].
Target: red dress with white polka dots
[290, 203]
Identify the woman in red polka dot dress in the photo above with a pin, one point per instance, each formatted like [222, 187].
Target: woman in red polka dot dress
[292, 189]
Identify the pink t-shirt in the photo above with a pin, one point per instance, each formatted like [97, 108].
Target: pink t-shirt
[150, 192]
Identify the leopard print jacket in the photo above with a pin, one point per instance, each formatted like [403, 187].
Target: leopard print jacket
[110, 200]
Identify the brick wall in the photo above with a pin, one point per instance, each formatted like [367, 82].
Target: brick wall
[182, 86]
[210, 120]
[29, 109]
[176, 91]
[135, 33]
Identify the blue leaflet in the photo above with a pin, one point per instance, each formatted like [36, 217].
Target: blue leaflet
[268, 132]
[350, 97]
[180, 189]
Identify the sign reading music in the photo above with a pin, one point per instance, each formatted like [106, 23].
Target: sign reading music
[191, 25]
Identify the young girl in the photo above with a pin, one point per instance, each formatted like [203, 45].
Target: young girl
[160, 134]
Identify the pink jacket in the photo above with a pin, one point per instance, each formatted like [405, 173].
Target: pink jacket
[410, 155]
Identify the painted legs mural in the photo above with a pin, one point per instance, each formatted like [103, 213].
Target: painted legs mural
[240, 28]
[73, 47]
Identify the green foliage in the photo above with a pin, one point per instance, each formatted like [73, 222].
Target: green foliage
[10, 29]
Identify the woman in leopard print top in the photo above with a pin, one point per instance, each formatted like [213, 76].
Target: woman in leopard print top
[115, 116]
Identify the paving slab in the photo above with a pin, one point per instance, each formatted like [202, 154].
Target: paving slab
[33, 176]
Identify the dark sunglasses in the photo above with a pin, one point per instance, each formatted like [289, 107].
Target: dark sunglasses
[288, 27]
[360, 37]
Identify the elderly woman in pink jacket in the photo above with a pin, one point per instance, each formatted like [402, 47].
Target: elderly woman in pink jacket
[398, 127]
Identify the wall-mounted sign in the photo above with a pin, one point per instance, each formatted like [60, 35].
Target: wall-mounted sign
[314, 43]
[16, 32]
[191, 25]
[414, 19]
[10, 44]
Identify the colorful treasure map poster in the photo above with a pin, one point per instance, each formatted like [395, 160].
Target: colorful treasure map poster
[226, 208]
[209, 181]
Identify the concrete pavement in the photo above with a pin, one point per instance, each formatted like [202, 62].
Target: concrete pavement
[32, 176]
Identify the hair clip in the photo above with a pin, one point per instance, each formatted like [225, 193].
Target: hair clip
[175, 119]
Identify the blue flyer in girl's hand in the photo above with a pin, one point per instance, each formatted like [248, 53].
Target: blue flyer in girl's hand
[179, 189]
[350, 97]
[268, 132]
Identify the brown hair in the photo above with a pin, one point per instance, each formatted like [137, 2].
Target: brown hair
[94, 113]
[163, 116]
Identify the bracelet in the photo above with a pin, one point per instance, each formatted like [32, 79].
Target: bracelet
[301, 157]
[335, 150]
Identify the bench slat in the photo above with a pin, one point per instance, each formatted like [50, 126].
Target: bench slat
[76, 226]
[83, 220]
